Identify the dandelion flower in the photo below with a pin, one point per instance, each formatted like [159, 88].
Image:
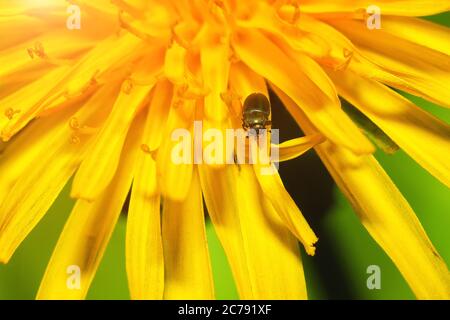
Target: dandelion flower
[98, 103]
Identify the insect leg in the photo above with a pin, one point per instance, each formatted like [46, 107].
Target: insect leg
[233, 101]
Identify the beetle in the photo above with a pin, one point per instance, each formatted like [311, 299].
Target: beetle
[256, 112]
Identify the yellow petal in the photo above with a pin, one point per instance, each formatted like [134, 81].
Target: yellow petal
[23, 151]
[101, 6]
[244, 81]
[175, 175]
[100, 16]
[424, 137]
[26, 103]
[418, 69]
[292, 39]
[294, 148]
[420, 31]
[391, 7]
[37, 165]
[263, 255]
[159, 109]
[42, 51]
[378, 61]
[174, 65]
[28, 27]
[145, 262]
[256, 50]
[148, 24]
[390, 221]
[186, 257]
[96, 63]
[21, 6]
[263, 17]
[144, 247]
[33, 194]
[386, 215]
[88, 230]
[215, 70]
[76, 80]
[290, 214]
[99, 166]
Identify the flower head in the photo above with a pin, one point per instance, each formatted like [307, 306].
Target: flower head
[98, 99]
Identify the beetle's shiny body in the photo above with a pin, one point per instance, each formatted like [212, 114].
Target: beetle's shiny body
[256, 112]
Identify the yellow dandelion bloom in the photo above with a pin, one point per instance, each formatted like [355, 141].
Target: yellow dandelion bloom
[94, 90]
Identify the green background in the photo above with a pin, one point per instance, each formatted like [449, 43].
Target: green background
[337, 271]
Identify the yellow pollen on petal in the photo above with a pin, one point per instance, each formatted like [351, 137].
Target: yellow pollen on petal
[361, 13]
[10, 113]
[177, 103]
[74, 139]
[181, 90]
[92, 83]
[37, 50]
[192, 91]
[74, 123]
[31, 52]
[127, 86]
[79, 129]
[5, 135]
[348, 55]
[146, 148]
[340, 63]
